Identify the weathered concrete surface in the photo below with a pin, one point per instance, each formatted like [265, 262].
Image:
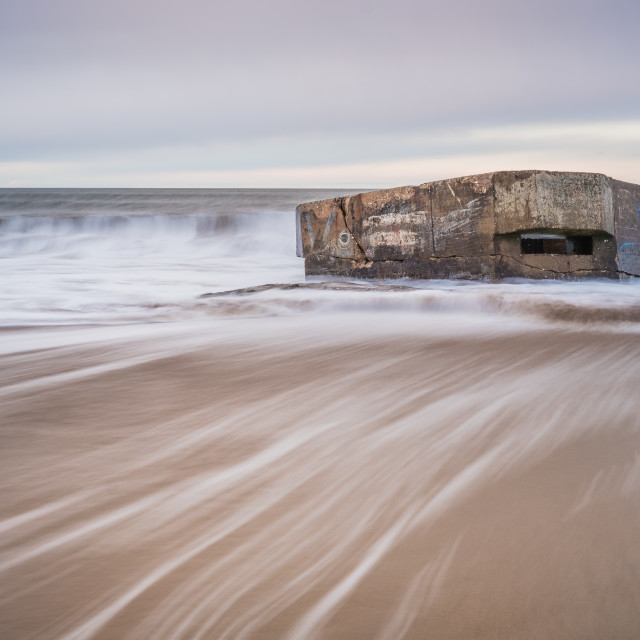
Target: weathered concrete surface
[539, 200]
[322, 230]
[626, 207]
[392, 224]
[471, 227]
[463, 216]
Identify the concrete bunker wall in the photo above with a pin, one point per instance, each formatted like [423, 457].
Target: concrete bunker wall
[569, 206]
[477, 227]
[626, 204]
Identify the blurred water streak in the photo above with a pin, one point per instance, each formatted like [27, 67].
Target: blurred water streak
[368, 475]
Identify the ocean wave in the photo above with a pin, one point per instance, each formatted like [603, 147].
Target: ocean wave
[598, 304]
[216, 233]
[75, 222]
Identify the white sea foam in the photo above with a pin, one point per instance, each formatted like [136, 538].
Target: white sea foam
[110, 258]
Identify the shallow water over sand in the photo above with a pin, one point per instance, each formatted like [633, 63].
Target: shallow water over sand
[333, 475]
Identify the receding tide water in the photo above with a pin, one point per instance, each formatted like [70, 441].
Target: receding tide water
[334, 460]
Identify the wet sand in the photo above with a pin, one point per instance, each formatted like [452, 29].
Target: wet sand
[347, 476]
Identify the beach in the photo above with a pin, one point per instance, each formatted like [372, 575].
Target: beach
[198, 442]
[321, 477]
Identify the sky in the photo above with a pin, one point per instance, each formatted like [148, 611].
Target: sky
[283, 93]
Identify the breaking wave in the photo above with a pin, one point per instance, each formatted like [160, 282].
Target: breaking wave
[207, 234]
[596, 304]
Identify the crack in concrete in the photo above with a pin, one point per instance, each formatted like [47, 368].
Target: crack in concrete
[433, 233]
[344, 219]
[529, 266]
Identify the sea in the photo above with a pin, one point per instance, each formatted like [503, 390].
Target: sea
[198, 442]
[80, 256]
[96, 256]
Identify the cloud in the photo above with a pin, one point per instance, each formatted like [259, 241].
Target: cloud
[312, 83]
[607, 147]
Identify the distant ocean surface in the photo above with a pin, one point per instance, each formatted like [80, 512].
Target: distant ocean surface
[103, 256]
